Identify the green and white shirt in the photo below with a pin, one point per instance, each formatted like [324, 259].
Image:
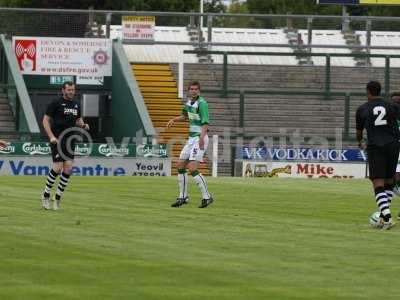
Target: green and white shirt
[197, 113]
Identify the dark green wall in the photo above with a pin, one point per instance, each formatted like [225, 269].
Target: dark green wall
[125, 121]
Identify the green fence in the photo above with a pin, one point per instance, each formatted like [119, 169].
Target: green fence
[226, 89]
[347, 100]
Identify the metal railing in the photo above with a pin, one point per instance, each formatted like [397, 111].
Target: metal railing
[226, 89]
[346, 95]
[80, 23]
[325, 93]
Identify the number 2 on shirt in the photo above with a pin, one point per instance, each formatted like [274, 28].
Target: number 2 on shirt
[380, 111]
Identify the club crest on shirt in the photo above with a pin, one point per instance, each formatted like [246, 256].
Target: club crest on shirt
[193, 116]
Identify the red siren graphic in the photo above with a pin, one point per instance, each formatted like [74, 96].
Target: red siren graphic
[25, 51]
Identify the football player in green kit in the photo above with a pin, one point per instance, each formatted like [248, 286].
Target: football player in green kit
[196, 111]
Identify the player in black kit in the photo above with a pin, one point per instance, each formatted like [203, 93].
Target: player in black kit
[62, 116]
[378, 118]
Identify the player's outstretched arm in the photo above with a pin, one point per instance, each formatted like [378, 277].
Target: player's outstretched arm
[176, 119]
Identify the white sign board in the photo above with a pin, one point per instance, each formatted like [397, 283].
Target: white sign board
[138, 28]
[90, 80]
[63, 56]
[303, 170]
[88, 166]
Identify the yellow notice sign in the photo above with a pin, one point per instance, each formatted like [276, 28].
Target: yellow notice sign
[138, 28]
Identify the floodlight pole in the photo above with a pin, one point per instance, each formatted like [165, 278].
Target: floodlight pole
[368, 27]
[345, 21]
[201, 11]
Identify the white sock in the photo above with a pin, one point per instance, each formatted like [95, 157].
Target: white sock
[201, 183]
[62, 185]
[183, 185]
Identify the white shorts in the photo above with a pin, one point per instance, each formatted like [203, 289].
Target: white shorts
[192, 151]
[398, 165]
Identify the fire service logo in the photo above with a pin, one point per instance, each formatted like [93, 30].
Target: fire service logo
[25, 51]
[100, 57]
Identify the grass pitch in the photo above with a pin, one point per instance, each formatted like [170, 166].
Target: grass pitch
[118, 238]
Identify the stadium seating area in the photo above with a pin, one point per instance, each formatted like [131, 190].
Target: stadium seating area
[382, 38]
[173, 53]
[159, 53]
[239, 35]
[328, 37]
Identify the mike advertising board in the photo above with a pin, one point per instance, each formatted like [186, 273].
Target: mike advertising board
[63, 56]
[270, 169]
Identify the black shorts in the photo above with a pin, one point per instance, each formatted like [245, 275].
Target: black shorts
[63, 151]
[382, 160]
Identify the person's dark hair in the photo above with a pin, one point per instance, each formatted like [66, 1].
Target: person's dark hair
[196, 83]
[395, 94]
[69, 83]
[374, 88]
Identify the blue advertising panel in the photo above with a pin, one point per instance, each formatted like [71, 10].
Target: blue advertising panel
[301, 154]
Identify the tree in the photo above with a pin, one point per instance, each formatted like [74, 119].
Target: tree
[240, 7]
[308, 7]
[311, 8]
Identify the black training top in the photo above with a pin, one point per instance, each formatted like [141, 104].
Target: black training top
[64, 114]
[378, 117]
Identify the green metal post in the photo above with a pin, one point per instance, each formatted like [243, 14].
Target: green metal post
[17, 114]
[2, 61]
[233, 154]
[225, 76]
[347, 116]
[387, 77]
[241, 109]
[328, 76]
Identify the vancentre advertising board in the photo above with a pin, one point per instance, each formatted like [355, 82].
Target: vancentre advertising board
[88, 166]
